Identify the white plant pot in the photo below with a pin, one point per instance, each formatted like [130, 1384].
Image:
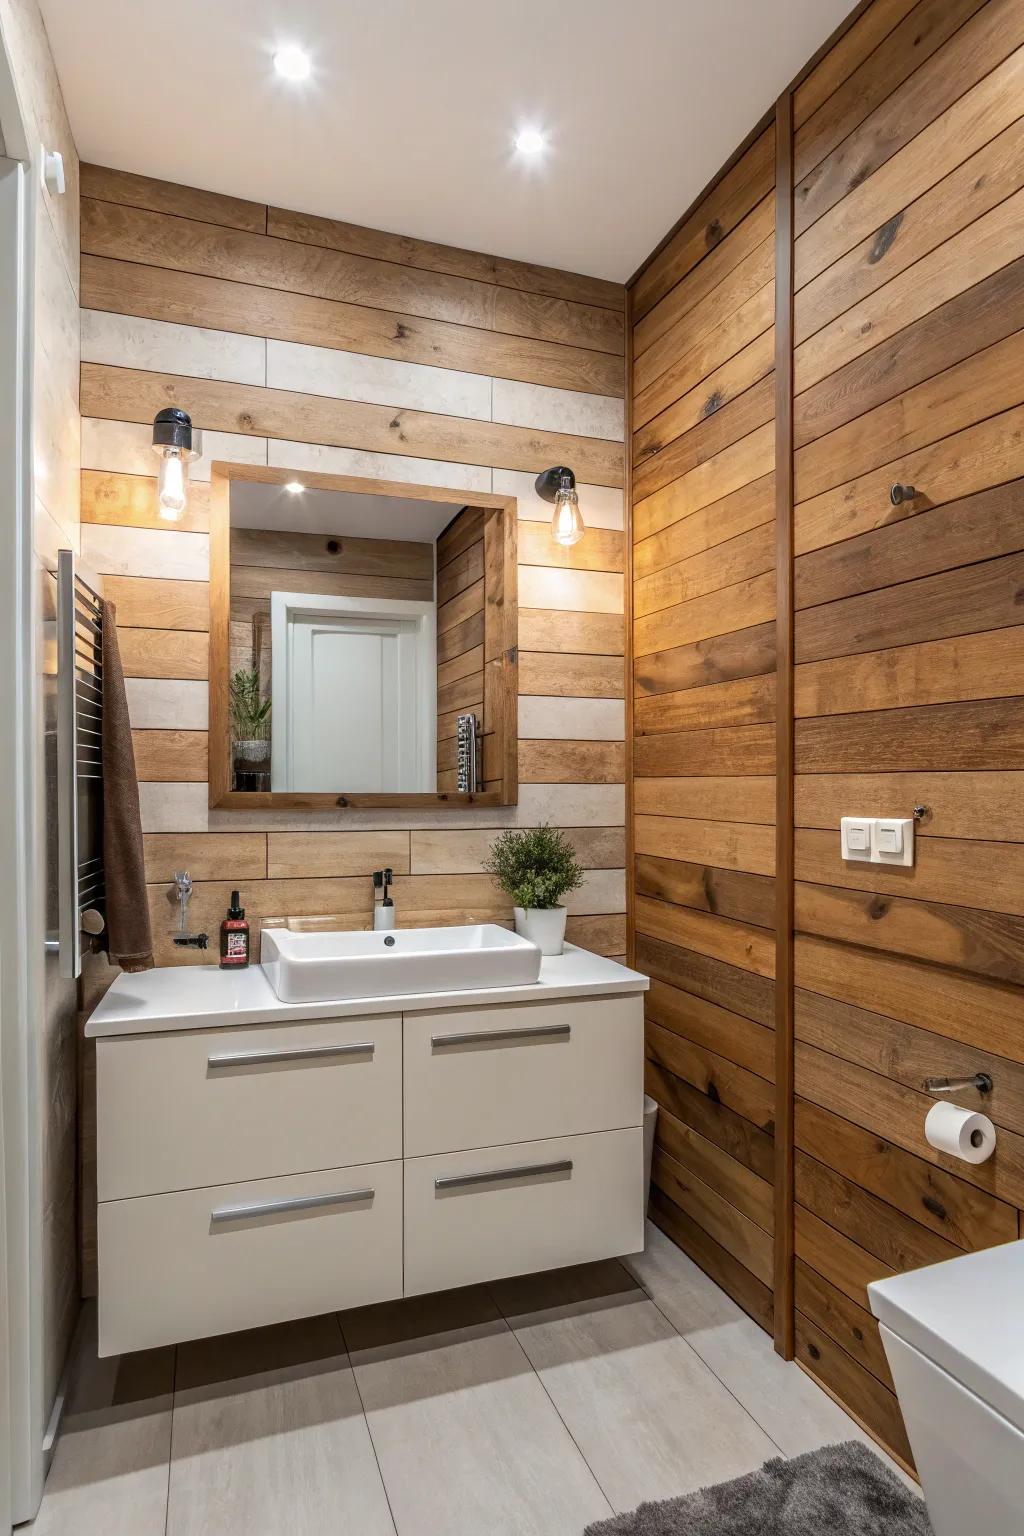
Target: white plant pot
[543, 926]
[250, 750]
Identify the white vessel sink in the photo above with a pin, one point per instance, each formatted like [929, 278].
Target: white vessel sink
[324, 967]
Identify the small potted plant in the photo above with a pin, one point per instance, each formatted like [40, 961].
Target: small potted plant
[250, 718]
[536, 867]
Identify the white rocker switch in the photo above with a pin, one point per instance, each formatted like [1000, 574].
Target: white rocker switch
[894, 841]
[855, 835]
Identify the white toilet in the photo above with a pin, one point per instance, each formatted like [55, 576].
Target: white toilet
[954, 1338]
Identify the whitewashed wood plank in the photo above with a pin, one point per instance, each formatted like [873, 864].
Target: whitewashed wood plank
[167, 704]
[546, 718]
[542, 586]
[377, 380]
[117, 551]
[126, 448]
[557, 410]
[602, 506]
[602, 891]
[163, 346]
[456, 851]
[321, 459]
[174, 807]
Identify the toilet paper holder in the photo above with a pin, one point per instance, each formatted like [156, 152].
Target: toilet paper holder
[981, 1081]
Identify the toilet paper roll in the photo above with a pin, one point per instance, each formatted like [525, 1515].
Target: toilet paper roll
[962, 1133]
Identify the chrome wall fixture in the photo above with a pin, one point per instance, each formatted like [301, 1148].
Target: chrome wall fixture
[466, 761]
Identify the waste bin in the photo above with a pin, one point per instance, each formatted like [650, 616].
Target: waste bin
[650, 1120]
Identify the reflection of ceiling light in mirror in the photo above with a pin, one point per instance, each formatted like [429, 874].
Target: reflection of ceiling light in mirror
[530, 141]
[296, 487]
[292, 63]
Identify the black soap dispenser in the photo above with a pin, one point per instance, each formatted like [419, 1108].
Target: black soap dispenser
[234, 937]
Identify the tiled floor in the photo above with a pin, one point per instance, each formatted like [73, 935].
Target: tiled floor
[526, 1408]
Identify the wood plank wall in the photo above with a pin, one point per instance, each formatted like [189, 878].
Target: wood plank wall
[703, 711]
[908, 358]
[310, 344]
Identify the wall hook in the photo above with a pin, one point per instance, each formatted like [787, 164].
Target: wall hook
[900, 493]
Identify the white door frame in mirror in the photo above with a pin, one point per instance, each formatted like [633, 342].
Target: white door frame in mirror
[408, 761]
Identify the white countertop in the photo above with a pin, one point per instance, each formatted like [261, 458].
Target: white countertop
[177, 997]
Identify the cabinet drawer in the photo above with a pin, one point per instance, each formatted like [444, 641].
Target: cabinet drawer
[477, 1077]
[206, 1261]
[474, 1216]
[214, 1106]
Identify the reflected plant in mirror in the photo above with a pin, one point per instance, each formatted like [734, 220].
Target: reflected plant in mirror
[250, 730]
[353, 623]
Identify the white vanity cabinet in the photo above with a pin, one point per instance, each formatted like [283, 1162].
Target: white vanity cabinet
[260, 1172]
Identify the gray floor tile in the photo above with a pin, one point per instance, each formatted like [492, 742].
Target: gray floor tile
[109, 1472]
[783, 1399]
[468, 1440]
[649, 1416]
[269, 1437]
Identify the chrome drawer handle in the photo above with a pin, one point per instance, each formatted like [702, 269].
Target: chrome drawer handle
[290, 1053]
[478, 1036]
[527, 1171]
[300, 1203]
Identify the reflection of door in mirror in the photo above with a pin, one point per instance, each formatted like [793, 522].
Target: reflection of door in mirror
[353, 627]
[354, 693]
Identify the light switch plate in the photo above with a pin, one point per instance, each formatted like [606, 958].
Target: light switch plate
[893, 842]
[855, 836]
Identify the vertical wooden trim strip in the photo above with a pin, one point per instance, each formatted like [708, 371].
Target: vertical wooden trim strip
[219, 771]
[627, 660]
[784, 768]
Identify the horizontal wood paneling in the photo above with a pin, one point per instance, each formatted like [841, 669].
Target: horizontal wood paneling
[519, 364]
[128, 394]
[908, 687]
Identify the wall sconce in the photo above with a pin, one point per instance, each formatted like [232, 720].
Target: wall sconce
[559, 486]
[174, 445]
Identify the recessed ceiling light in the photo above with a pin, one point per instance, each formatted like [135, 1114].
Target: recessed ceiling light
[296, 487]
[292, 63]
[530, 141]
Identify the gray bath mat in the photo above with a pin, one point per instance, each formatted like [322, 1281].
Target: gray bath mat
[841, 1490]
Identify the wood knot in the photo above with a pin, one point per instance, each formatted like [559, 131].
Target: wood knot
[884, 238]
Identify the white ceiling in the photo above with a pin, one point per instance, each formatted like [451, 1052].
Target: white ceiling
[255, 505]
[407, 122]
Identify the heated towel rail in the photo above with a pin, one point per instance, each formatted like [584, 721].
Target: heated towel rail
[81, 887]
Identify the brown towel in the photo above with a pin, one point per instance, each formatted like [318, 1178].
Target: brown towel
[129, 940]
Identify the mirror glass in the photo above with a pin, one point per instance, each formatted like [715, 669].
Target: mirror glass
[356, 641]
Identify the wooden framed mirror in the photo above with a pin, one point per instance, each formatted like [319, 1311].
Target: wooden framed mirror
[361, 632]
